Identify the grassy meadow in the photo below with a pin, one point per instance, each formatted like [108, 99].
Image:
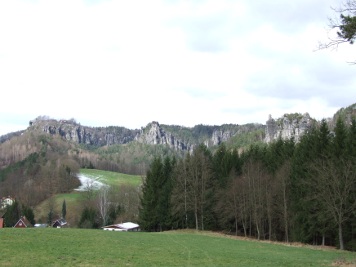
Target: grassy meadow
[84, 247]
[81, 247]
[112, 178]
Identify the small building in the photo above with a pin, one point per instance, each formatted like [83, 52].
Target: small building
[41, 225]
[60, 223]
[2, 214]
[6, 201]
[123, 227]
[23, 223]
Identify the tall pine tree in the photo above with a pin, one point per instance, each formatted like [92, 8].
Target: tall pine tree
[155, 210]
[64, 209]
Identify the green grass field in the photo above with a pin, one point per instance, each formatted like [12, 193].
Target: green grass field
[79, 247]
[112, 178]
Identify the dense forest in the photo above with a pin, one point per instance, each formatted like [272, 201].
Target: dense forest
[286, 191]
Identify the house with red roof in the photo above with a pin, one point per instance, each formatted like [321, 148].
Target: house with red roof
[23, 223]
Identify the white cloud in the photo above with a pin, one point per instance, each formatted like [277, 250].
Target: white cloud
[180, 62]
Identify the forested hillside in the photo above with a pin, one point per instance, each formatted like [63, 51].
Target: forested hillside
[119, 149]
[287, 191]
[35, 167]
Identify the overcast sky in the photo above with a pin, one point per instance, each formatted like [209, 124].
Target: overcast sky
[127, 63]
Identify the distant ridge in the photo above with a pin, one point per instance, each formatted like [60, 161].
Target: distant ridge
[179, 138]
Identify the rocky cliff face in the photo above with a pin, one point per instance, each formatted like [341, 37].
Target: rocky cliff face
[96, 136]
[220, 136]
[346, 114]
[176, 137]
[154, 134]
[290, 125]
[186, 139]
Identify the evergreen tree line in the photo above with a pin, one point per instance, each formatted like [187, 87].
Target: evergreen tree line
[285, 191]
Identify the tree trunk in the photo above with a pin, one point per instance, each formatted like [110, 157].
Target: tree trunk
[196, 214]
[185, 202]
[341, 239]
[285, 213]
[250, 223]
[236, 225]
[244, 226]
[268, 209]
[202, 220]
[257, 227]
[103, 204]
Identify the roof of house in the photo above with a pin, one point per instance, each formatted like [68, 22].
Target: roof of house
[23, 220]
[41, 225]
[128, 225]
[122, 226]
[60, 222]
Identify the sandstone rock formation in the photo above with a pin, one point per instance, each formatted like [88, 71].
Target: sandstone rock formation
[289, 126]
[178, 138]
[96, 136]
[220, 136]
[154, 134]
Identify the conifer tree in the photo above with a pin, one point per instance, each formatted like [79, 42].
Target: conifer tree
[222, 164]
[181, 194]
[50, 217]
[302, 206]
[28, 213]
[340, 139]
[164, 197]
[155, 211]
[351, 140]
[64, 209]
[12, 214]
[148, 216]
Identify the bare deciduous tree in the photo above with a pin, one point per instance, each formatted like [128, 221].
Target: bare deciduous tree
[180, 196]
[254, 173]
[103, 203]
[334, 183]
[342, 28]
[282, 176]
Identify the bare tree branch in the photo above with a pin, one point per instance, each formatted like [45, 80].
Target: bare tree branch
[345, 26]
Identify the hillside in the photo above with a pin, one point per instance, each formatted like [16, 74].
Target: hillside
[178, 138]
[346, 113]
[130, 150]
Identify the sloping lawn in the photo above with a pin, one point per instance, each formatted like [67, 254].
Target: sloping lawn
[112, 178]
[79, 247]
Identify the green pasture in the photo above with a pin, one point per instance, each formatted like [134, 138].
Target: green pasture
[112, 178]
[82, 247]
